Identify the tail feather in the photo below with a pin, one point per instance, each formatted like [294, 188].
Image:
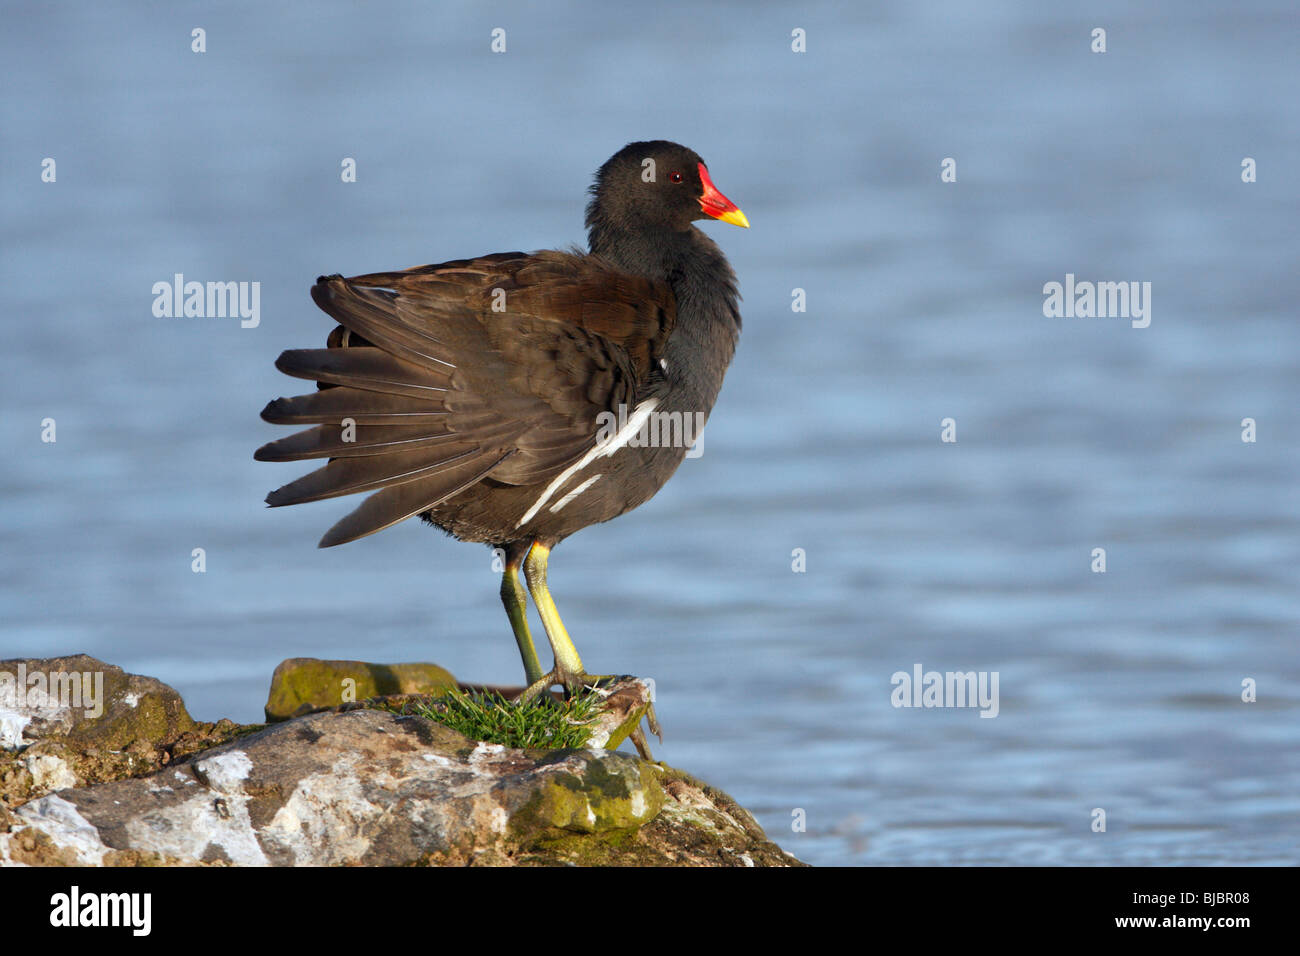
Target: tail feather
[365, 367]
[370, 313]
[329, 441]
[398, 502]
[346, 476]
[365, 407]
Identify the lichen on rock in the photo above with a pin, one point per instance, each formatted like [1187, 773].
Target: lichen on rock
[301, 685]
[74, 721]
[355, 786]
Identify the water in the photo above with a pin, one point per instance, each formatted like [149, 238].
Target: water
[1118, 691]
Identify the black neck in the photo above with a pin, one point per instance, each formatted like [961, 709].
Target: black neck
[688, 260]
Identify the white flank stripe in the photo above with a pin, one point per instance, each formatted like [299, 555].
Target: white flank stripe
[574, 493]
[623, 436]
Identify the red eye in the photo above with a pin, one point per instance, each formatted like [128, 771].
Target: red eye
[675, 177]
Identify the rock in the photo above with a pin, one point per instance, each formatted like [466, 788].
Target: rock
[374, 788]
[142, 784]
[82, 699]
[72, 721]
[301, 685]
[628, 701]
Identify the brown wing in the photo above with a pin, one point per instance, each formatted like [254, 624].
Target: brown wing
[455, 372]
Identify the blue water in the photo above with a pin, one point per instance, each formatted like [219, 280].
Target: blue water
[1119, 691]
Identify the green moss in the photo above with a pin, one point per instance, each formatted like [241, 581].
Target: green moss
[593, 801]
[542, 724]
[302, 685]
[610, 848]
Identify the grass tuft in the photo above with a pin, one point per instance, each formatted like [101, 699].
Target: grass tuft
[544, 723]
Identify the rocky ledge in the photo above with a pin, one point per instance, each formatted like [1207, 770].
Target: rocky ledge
[125, 777]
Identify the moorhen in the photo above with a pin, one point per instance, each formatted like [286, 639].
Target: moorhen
[506, 399]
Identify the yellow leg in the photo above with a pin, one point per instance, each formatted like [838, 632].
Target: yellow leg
[512, 596]
[568, 671]
[567, 661]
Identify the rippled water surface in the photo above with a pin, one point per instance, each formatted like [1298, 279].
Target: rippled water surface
[1119, 691]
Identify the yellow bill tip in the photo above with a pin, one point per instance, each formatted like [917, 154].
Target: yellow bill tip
[735, 217]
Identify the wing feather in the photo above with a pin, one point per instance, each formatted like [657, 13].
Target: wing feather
[451, 373]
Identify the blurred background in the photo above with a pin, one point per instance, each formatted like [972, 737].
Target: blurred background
[1119, 691]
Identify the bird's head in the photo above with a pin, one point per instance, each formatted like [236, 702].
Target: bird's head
[658, 185]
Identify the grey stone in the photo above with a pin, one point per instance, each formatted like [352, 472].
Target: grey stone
[372, 788]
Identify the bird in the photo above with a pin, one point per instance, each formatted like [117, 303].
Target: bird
[508, 399]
